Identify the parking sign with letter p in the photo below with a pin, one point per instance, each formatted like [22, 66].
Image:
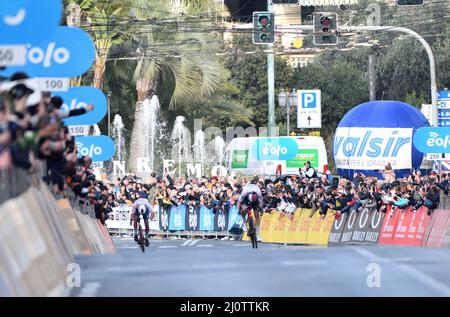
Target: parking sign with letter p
[309, 110]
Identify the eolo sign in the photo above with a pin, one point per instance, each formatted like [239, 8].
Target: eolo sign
[32, 42]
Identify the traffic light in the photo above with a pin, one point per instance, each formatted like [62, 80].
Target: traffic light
[325, 28]
[410, 2]
[263, 28]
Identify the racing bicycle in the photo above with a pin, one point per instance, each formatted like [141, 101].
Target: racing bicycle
[251, 225]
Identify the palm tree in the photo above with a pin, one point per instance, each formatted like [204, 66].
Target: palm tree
[100, 18]
[166, 53]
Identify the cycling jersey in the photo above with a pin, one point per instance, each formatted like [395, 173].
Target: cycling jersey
[247, 193]
[142, 202]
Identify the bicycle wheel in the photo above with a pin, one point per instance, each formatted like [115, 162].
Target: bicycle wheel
[252, 233]
[141, 239]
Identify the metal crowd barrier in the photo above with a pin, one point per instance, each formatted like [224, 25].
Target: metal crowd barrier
[15, 181]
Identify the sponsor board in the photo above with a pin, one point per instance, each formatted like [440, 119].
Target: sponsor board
[337, 229]
[372, 148]
[119, 219]
[79, 98]
[273, 149]
[206, 219]
[177, 218]
[66, 52]
[235, 221]
[432, 140]
[99, 147]
[347, 231]
[25, 20]
[301, 228]
[437, 229]
[192, 218]
[319, 229]
[239, 159]
[303, 156]
[405, 227]
[367, 226]
[164, 217]
[220, 220]
[388, 229]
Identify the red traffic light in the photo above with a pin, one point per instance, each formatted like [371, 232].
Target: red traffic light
[263, 20]
[325, 22]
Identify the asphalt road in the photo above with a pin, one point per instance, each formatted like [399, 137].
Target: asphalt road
[232, 268]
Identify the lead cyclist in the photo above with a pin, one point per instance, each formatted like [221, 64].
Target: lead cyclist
[246, 200]
[141, 206]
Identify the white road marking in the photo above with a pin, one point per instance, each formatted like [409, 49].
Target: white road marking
[241, 245]
[186, 242]
[89, 289]
[205, 245]
[167, 246]
[419, 276]
[305, 262]
[126, 247]
[193, 243]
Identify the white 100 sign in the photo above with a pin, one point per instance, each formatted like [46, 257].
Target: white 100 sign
[54, 84]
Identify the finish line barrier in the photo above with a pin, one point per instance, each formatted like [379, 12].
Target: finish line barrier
[180, 220]
[39, 238]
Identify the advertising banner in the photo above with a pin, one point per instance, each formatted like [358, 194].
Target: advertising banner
[337, 229]
[367, 226]
[372, 148]
[349, 225]
[192, 218]
[164, 215]
[432, 140]
[220, 220]
[98, 147]
[25, 20]
[239, 159]
[206, 219]
[405, 227]
[410, 227]
[437, 229]
[303, 156]
[66, 52]
[120, 218]
[177, 218]
[80, 97]
[388, 229]
[319, 229]
[274, 149]
[234, 219]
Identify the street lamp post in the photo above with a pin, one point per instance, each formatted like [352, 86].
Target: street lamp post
[290, 103]
[282, 98]
[286, 101]
[109, 113]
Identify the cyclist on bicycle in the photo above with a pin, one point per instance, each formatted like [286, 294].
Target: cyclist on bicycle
[251, 197]
[141, 207]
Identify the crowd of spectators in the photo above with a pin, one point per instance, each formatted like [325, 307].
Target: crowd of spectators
[32, 131]
[285, 194]
[33, 135]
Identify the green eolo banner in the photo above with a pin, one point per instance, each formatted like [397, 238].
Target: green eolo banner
[239, 159]
[302, 157]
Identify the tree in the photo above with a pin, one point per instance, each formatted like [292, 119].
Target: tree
[99, 18]
[249, 74]
[342, 85]
[187, 61]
